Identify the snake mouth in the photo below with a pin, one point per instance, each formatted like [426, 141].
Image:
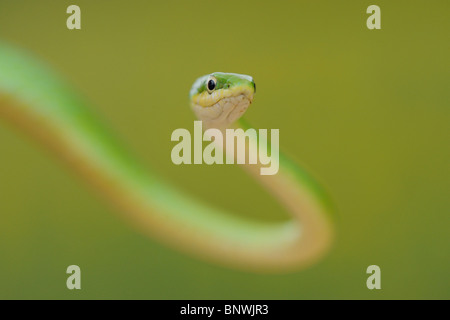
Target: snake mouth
[208, 100]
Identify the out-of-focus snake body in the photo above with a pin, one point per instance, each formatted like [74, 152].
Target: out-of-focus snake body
[40, 103]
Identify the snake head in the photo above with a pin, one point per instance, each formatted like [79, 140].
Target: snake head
[219, 99]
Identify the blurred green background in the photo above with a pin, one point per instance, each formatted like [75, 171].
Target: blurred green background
[367, 111]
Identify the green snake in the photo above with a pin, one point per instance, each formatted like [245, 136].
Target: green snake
[36, 100]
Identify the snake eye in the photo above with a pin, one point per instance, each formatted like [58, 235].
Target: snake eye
[211, 84]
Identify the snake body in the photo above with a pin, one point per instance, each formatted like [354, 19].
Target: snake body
[36, 100]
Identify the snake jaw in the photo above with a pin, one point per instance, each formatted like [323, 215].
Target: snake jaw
[224, 112]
